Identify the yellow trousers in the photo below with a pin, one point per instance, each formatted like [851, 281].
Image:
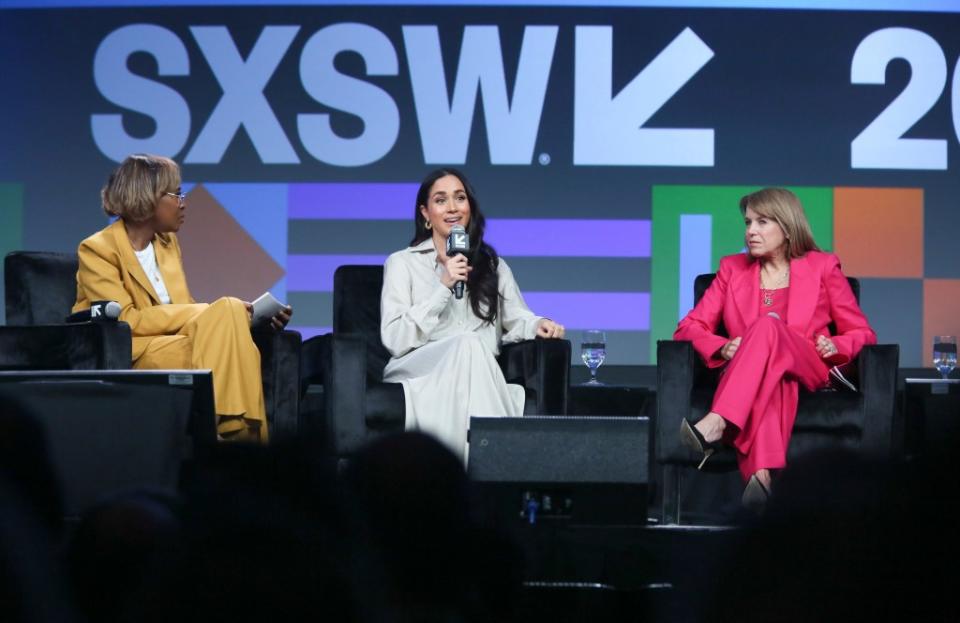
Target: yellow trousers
[218, 338]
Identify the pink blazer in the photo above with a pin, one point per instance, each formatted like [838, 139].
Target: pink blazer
[819, 294]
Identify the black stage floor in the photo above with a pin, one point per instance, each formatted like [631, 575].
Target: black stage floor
[622, 573]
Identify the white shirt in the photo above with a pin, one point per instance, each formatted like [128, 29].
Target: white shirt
[148, 260]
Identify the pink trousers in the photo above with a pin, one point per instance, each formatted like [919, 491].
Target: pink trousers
[758, 392]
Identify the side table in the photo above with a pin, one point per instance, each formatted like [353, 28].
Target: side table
[931, 415]
[611, 400]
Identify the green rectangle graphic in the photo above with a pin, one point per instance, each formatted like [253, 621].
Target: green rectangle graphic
[726, 236]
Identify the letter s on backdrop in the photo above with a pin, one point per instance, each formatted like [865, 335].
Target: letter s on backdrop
[118, 85]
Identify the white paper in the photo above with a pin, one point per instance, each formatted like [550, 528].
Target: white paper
[838, 377]
[264, 308]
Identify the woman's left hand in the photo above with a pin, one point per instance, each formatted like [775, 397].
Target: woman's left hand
[825, 347]
[550, 329]
[279, 321]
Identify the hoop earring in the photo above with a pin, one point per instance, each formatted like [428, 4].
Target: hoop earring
[427, 225]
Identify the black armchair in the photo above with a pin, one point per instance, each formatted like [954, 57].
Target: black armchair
[40, 289]
[862, 421]
[356, 405]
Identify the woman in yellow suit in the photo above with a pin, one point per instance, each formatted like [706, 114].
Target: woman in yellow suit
[136, 261]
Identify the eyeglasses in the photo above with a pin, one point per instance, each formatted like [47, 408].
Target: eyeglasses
[180, 197]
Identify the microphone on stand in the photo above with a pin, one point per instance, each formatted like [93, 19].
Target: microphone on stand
[100, 311]
[458, 243]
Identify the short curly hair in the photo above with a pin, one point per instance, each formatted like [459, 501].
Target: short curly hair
[135, 187]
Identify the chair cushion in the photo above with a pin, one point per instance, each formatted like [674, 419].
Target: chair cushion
[829, 410]
[825, 419]
[384, 407]
[40, 287]
[280, 371]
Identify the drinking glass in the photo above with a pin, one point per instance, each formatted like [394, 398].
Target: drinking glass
[945, 353]
[593, 350]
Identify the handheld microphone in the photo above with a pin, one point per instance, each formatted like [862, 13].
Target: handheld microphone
[100, 311]
[458, 243]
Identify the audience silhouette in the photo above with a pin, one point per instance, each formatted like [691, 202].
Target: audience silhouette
[289, 533]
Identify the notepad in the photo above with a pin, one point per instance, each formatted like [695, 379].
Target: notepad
[264, 308]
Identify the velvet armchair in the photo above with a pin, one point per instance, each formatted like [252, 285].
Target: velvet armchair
[862, 420]
[355, 405]
[40, 289]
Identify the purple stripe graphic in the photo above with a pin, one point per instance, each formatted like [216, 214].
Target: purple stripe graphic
[613, 311]
[352, 201]
[511, 237]
[314, 273]
[626, 311]
[308, 332]
[569, 237]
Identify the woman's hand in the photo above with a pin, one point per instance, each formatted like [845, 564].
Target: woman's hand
[550, 329]
[728, 350]
[825, 347]
[455, 269]
[279, 321]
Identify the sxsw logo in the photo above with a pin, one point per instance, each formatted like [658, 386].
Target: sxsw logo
[608, 127]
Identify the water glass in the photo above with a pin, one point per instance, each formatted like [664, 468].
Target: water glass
[593, 350]
[945, 353]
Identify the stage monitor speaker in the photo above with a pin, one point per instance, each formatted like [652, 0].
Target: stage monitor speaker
[111, 431]
[581, 470]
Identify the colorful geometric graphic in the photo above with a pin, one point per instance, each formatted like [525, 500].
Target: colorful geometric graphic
[634, 279]
[879, 231]
[225, 256]
[876, 232]
[11, 224]
[11, 218]
[242, 239]
[941, 298]
[695, 226]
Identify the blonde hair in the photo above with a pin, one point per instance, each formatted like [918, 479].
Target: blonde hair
[782, 206]
[135, 187]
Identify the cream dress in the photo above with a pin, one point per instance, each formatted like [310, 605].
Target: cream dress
[442, 353]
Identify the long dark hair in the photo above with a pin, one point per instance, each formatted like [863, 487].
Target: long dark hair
[482, 282]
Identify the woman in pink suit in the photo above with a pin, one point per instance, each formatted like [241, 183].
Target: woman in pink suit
[776, 302]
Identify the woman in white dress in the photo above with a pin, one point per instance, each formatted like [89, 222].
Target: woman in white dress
[443, 348]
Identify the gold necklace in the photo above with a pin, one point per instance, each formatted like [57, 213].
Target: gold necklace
[768, 292]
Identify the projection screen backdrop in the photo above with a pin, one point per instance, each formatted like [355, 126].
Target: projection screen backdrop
[608, 144]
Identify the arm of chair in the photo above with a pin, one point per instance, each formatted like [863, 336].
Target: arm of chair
[877, 370]
[543, 368]
[344, 370]
[280, 371]
[675, 378]
[354, 408]
[79, 346]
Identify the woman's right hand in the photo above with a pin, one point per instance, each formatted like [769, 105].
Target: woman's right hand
[730, 349]
[455, 269]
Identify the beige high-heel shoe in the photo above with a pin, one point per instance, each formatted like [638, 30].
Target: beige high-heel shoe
[691, 438]
[755, 495]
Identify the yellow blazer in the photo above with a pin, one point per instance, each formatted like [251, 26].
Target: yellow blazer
[109, 271]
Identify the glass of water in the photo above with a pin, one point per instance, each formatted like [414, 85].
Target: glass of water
[593, 350]
[945, 353]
